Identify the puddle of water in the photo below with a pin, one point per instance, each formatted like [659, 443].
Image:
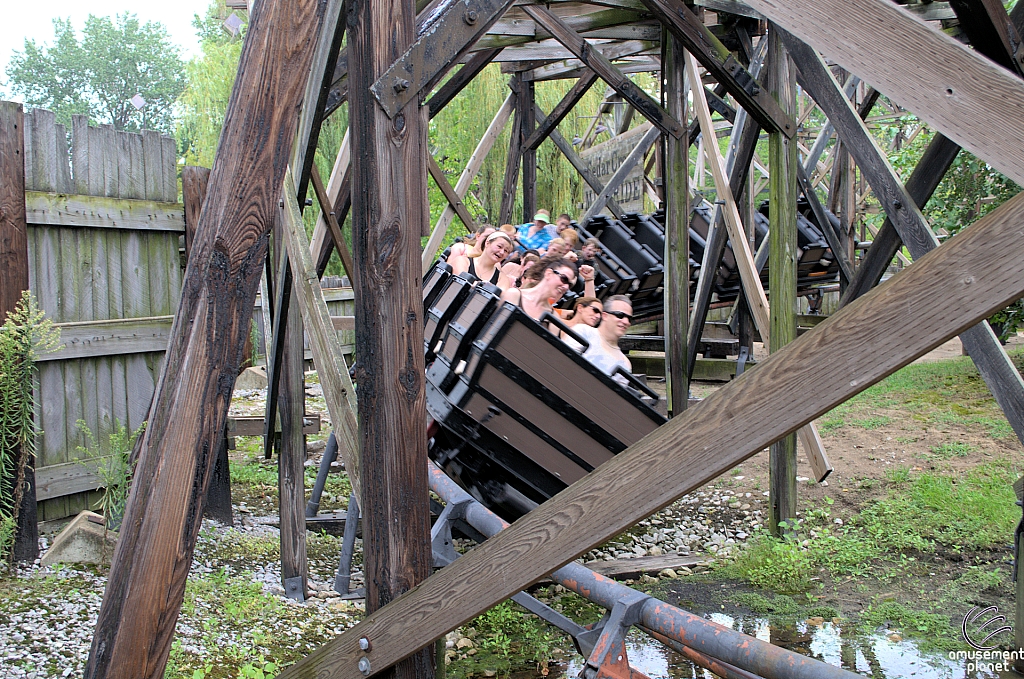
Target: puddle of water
[874, 655]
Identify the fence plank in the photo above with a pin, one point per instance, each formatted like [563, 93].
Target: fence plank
[44, 150]
[80, 153]
[61, 158]
[111, 175]
[56, 209]
[170, 168]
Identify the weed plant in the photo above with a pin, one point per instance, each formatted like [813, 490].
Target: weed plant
[25, 333]
[114, 469]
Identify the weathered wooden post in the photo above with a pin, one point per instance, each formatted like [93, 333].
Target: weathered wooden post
[13, 281]
[389, 212]
[527, 98]
[677, 237]
[782, 250]
[162, 520]
[292, 452]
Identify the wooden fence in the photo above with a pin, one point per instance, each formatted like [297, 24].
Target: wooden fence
[103, 241]
[105, 263]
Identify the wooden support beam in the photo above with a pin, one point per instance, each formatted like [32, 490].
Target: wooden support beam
[934, 163]
[720, 63]
[635, 156]
[329, 214]
[321, 244]
[450, 33]
[938, 157]
[562, 109]
[527, 105]
[991, 32]
[677, 235]
[473, 166]
[742, 144]
[454, 201]
[515, 155]
[318, 89]
[981, 344]
[146, 583]
[959, 87]
[292, 407]
[581, 166]
[600, 64]
[282, 285]
[328, 357]
[19, 485]
[458, 82]
[389, 211]
[868, 340]
[752, 288]
[780, 83]
[194, 181]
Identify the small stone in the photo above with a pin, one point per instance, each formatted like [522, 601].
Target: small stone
[655, 551]
[895, 637]
[668, 573]
[817, 621]
[471, 651]
[464, 642]
[490, 673]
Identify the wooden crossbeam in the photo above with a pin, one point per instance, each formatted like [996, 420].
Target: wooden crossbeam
[868, 340]
[515, 154]
[328, 356]
[752, 288]
[826, 225]
[452, 30]
[750, 277]
[454, 199]
[925, 178]
[597, 62]
[991, 32]
[562, 109]
[981, 344]
[473, 165]
[146, 583]
[337, 194]
[718, 60]
[463, 77]
[893, 55]
[327, 211]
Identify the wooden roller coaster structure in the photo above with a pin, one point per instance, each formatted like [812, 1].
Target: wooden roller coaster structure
[394, 73]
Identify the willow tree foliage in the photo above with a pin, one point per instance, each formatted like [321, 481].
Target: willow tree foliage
[115, 60]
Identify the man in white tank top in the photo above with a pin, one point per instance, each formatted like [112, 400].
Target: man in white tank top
[604, 351]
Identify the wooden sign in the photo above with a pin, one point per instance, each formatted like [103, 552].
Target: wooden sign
[605, 158]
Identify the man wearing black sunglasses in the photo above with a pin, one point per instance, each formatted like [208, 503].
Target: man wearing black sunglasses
[604, 350]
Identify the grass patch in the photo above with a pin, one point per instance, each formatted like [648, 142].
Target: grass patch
[831, 424]
[975, 510]
[936, 631]
[953, 449]
[780, 604]
[505, 639]
[874, 422]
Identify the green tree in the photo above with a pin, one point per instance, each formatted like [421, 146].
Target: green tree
[209, 78]
[115, 60]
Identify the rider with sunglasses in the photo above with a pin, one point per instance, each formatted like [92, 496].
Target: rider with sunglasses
[558, 276]
[604, 350]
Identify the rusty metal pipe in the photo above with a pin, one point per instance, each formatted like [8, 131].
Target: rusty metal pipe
[719, 668]
[707, 638]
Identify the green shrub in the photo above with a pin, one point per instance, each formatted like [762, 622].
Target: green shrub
[114, 469]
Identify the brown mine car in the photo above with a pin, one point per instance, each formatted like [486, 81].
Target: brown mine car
[518, 415]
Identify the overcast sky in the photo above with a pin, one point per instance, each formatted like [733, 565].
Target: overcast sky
[35, 21]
